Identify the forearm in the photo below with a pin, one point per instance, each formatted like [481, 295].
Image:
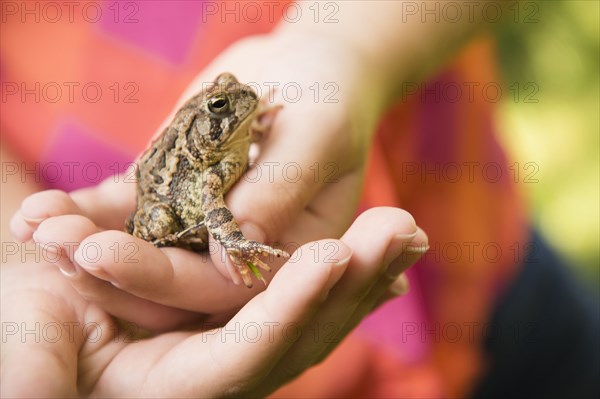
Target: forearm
[399, 40]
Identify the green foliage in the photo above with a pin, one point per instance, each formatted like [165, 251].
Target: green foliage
[560, 133]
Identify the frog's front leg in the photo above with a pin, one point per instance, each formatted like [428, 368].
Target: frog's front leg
[244, 254]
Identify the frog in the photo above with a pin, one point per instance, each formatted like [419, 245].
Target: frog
[184, 174]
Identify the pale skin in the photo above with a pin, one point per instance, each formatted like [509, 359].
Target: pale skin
[300, 212]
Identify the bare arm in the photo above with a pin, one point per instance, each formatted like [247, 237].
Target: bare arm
[402, 40]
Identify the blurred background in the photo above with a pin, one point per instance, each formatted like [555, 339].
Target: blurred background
[549, 119]
[554, 124]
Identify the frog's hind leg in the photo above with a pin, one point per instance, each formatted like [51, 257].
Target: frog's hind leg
[223, 228]
[153, 222]
[157, 223]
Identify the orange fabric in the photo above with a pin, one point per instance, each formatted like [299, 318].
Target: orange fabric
[359, 369]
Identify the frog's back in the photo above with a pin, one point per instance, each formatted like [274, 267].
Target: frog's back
[166, 176]
[155, 168]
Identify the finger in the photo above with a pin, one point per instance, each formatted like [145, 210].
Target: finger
[169, 276]
[39, 352]
[64, 236]
[326, 216]
[292, 299]
[38, 207]
[377, 237]
[109, 204]
[19, 229]
[391, 284]
[279, 186]
[398, 288]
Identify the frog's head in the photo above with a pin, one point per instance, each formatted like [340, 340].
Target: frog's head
[216, 122]
[229, 108]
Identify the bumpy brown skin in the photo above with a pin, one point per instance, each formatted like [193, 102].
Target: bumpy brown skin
[183, 176]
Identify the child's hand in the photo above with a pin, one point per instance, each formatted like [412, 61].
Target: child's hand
[325, 140]
[269, 341]
[129, 278]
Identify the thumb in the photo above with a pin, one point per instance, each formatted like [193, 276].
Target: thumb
[291, 169]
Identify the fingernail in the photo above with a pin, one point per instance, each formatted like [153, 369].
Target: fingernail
[52, 250]
[54, 254]
[253, 232]
[401, 286]
[36, 237]
[343, 262]
[100, 272]
[79, 260]
[408, 257]
[233, 273]
[19, 229]
[416, 249]
[397, 246]
[66, 267]
[32, 222]
[116, 284]
[343, 258]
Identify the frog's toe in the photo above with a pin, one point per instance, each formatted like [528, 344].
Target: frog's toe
[246, 257]
[265, 250]
[277, 252]
[257, 262]
[245, 265]
[245, 273]
[252, 250]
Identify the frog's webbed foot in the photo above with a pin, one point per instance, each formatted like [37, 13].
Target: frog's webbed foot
[245, 255]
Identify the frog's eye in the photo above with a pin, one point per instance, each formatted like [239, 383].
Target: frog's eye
[219, 104]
